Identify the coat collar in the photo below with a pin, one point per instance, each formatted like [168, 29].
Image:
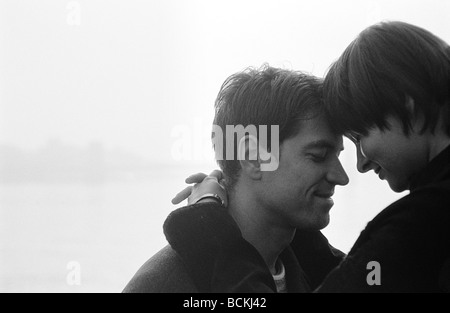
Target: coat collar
[436, 171]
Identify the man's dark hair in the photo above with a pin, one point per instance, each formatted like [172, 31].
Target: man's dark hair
[265, 96]
[387, 63]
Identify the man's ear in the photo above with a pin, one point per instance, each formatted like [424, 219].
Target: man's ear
[248, 157]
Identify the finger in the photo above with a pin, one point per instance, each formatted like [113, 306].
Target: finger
[217, 175]
[195, 178]
[182, 195]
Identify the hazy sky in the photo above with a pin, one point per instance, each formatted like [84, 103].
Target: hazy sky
[136, 74]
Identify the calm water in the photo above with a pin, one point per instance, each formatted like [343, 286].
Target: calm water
[111, 229]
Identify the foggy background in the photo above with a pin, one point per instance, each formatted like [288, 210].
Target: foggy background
[106, 107]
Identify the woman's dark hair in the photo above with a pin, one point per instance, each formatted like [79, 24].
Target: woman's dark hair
[387, 64]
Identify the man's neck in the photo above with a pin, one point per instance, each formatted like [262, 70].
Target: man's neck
[257, 227]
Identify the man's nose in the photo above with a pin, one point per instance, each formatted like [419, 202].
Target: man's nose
[338, 175]
[363, 164]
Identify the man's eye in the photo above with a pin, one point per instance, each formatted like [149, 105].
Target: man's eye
[318, 157]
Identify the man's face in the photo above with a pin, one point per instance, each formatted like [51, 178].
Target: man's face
[299, 192]
[391, 154]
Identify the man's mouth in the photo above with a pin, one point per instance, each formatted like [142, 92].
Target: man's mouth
[324, 194]
[324, 198]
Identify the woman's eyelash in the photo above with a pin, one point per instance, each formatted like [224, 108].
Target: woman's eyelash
[354, 137]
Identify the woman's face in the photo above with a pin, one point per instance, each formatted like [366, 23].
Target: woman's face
[394, 156]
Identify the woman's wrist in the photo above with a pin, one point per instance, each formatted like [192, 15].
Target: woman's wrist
[210, 197]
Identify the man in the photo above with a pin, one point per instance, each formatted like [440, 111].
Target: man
[266, 204]
[389, 92]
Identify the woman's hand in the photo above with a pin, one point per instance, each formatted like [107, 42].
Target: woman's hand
[203, 184]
